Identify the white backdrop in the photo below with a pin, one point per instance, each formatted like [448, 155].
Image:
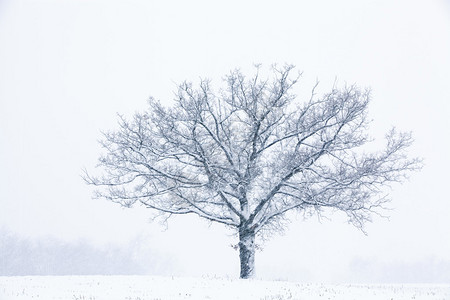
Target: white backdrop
[68, 66]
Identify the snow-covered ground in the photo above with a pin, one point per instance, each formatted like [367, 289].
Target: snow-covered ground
[152, 288]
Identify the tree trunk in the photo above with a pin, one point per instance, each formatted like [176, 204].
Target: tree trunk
[247, 253]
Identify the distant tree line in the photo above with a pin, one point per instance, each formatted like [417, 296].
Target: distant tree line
[19, 256]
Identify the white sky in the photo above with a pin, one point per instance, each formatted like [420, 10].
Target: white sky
[67, 67]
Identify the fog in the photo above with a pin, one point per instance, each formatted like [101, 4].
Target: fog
[67, 67]
[50, 256]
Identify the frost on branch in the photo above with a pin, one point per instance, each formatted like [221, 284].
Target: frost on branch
[247, 155]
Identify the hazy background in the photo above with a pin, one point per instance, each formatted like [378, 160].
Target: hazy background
[68, 66]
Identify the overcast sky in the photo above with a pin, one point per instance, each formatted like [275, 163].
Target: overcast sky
[68, 66]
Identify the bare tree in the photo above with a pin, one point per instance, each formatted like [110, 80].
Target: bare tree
[246, 156]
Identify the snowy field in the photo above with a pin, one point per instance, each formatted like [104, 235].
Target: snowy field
[152, 288]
